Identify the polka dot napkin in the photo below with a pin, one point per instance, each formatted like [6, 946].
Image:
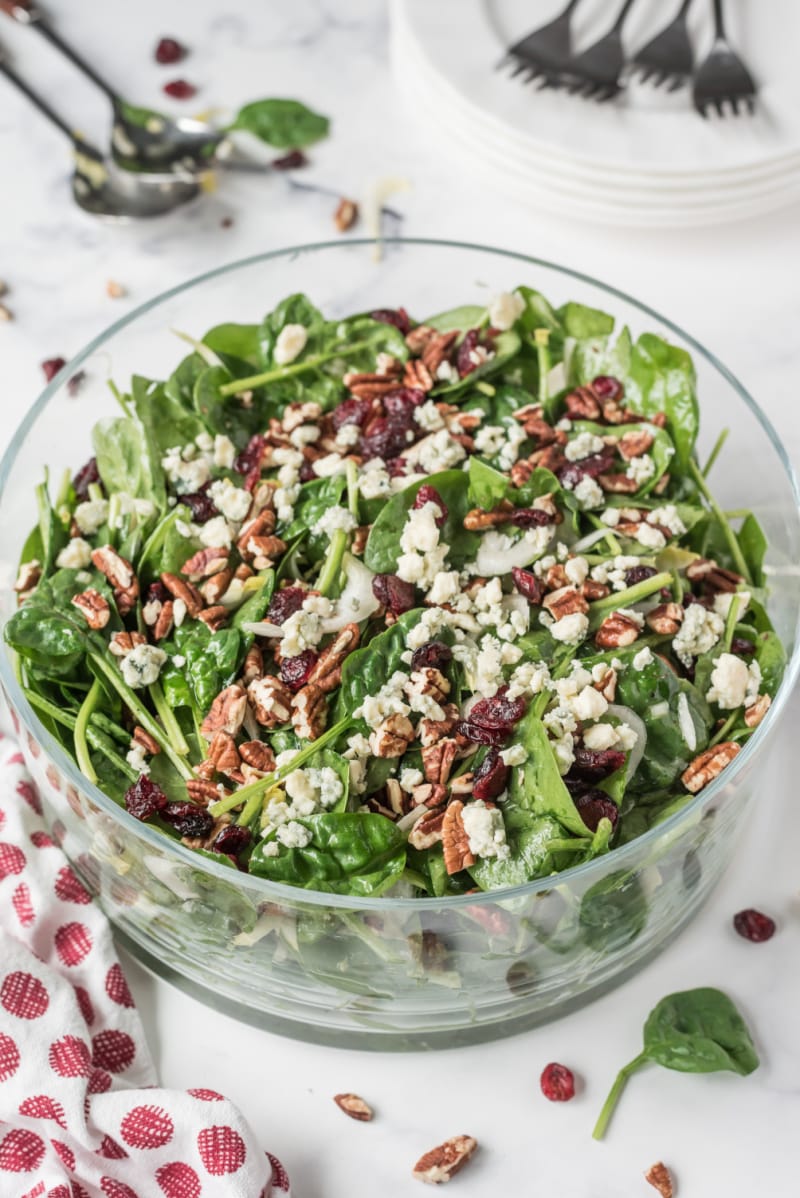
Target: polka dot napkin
[81, 1115]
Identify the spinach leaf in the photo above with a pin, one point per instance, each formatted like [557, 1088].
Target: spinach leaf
[47, 630]
[52, 536]
[128, 459]
[255, 607]
[662, 450]
[662, 379]
[211, 662]
[613, 912]
[581, 322]
[165, 409]
[529, 838]
[468, 316]
[315, 498]
[694, 1031]
[365, 671]
[227, 414]
[285, 124]
[383, 545]
[771, 657]
[349, 853]
[295, 309]
[375, 336]
[753, 544]
[235, 341]
[488, 487]
[506, 348]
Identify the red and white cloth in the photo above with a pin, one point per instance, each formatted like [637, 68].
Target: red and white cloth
[81, 1114]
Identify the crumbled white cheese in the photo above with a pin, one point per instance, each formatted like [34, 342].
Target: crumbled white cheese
[576, 570]
[428, 416]
[374, 480]
[589, 493]
[304, 434]
[490, 439]
[723, 601]
[446, 587]
[410, 778]
[293, 835]
[610, 517]
[583, 446]
[589, 704]
[330, 465]
[652, 538]
[485, 830]
[233, 502]
[91, 515]
[348, 436]
[439, 452]
[571, 629]
[668, 518]
[699, 632]
[334, 519]
[390, 700]
[504, 309]
[643, 658]
[514, 755]
[728, 682]
[136, 757]
[224, 452]
[185, 476]
[529, 678]
[290, 343]
[686, 723]
[599, 737]
[215, 533]
[142, 666]
[303, 629]
[76, 555]
[641, 469]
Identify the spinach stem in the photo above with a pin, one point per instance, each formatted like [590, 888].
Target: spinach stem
[718, 444]
[159, 533]
[284, 372]
[613, 543]
[262, 785]
[98, 739]
[139, 712]
[167, 717]
[352, 487]
[541, 339]
[731, 621]
[333, 562]
[104, 724]
[615, 1094]
[250, 810]
[730, 535]
[722, 732]
[641, 590]
[82, 753]
[118, 396]
[65, 718]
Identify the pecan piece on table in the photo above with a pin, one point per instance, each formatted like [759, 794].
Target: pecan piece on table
[455, 842]
[616, 631]
[309, 712]
[354, 1106]
[187, 592]
[659, 1177]
[93, 607]
[227, 712]
[709, 765]
[120, 574]
[345, 215]
[437, 760]
[271, 700]
[427, 831]
[445, 1160]
[665, 619]
[392, 736]
[327, 671]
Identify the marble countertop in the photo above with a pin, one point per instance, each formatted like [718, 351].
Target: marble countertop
[738, 290]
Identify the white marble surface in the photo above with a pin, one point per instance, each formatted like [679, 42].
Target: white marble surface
[738, 290]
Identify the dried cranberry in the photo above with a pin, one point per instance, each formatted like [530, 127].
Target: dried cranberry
[491, 776]
[188, 819]
[480, 735]
[593, 765]
[605, 386]
[399, 404]
[87, 475]
[180, 89]
[292, 161]
[75, 384]
[51, 367]
[464, 362]
[285, 603]
[394, 593]
[231, 840]
[754, 925]
[396, 467]
[385, 439]
[428, 494]
[557, 1082]
[200, 504]
[306, 473]
[170, 50]
[350, 411]
[396, 316]
[638, 574]
[742, 646]
[157, 593]
[251, 456]
[144, 799]
[594, 805]
[432, 655]
[571, 473]
[530, 517]
[528, 584]
[498, 712]
[294, 671]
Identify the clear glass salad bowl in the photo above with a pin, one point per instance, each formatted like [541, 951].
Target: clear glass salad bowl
[390, 973]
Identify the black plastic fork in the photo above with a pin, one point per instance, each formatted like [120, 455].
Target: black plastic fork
[596, 73]
[722, 77]
[545, 52]
[668, 58]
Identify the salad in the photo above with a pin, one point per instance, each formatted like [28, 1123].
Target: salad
[379, 605]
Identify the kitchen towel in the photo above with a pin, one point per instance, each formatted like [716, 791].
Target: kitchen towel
[81, 1111]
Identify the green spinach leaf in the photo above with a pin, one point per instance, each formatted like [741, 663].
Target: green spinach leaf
[349, 853]
[285, 124]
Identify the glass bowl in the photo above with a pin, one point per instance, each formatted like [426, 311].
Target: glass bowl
[390, 973]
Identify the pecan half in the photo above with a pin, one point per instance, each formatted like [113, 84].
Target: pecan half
[521, 471]
[93, 606]
[215, 587]
[203, 792]
[345, 215]
[455, 842]
[444, 1161]
[428, 681]
[556, 577]
[429, 794]
[592, 590]
[253, 664]
[261, 525]
[370, 386]
[616, 631]
[227, 712]
[709, 765]
[665, 619]
[607, 684]
[223, 752]
[204, 563]
[121, 643]
[437, 760]
[271, 700]
[309, 712]
[754, 714]
[659, 1177]
[564, 602]
[581, 404]
[185, 591]
[416, 374]
[120, 574]
[430, 731]
[360, 537]
[327, 671]
[427, 831]
[258, 756]
[713, 577]
[437, 349]
[264, 550]
[478, 519]
[354, 1106]
[164, 620]
[419, 337]
[295, 414]
[618, 484]
[148, 743]
[28, 577]
[634, 444]
[392, 736]
[213, 617]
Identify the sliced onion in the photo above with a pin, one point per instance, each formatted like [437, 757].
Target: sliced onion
[590, 539]
[493, 558]
[407, 821]
[627, 716]
[356, 602]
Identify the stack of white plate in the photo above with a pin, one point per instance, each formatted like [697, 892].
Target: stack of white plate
[646, 159]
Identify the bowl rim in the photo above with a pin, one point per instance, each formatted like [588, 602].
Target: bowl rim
[294, 895]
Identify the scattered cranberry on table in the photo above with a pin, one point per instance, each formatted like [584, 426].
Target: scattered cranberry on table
[169, 50]
[557, 1082]
[180, 89]
[51, 367]
[754, 925]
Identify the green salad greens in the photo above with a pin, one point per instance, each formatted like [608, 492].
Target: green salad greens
[376, 606]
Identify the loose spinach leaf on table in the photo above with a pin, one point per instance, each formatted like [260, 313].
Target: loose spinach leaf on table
[284, 124]
[383, 545]
[694, 1031]
[349, 853]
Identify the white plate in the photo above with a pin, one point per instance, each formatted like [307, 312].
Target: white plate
[650, 133]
